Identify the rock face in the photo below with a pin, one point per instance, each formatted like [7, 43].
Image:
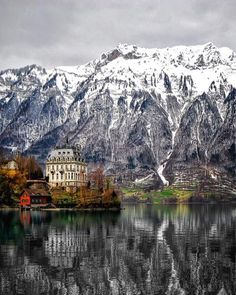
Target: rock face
[138, 111]
[223, 146]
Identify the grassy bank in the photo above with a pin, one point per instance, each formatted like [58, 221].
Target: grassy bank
[172, 195]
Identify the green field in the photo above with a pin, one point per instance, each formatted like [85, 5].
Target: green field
[166, 195]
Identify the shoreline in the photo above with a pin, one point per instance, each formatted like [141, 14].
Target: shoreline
[117, 209]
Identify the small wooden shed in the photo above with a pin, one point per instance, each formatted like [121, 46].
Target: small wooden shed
[34, 198]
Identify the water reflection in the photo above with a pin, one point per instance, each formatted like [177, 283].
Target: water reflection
[142, 250]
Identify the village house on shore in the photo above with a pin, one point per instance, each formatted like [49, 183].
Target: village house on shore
[35, 195]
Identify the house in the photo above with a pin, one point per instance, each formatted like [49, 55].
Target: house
[66, 168]
[10, 168]
[35, 198]
[35, 195]
[11, 165]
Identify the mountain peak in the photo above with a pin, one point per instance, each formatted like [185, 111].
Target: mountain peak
[125, 48]
[209, 45]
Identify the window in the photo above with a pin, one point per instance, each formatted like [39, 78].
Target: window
[70, 167]
[69, 175]
[57, 167]
[61, 176]
[65, 176]
[52, 176]
[57, 176]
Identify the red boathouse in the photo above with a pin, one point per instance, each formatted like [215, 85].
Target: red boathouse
[35, 195]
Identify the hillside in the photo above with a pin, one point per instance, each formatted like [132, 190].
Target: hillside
[155, 114]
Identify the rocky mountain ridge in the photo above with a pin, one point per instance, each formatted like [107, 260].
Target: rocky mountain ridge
[141, 112]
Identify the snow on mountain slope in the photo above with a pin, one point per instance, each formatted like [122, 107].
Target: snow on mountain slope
[125, 108]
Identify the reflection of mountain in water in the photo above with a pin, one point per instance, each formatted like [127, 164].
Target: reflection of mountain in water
[143, 250]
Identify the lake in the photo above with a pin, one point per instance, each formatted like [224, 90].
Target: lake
[144, 249]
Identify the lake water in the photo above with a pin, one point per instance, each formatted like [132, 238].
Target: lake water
[143, 249]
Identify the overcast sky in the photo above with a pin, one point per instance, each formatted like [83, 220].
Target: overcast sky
[72, 32]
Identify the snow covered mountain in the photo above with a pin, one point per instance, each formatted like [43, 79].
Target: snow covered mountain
[139, 111]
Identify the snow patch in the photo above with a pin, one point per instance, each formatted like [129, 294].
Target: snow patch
[160, 172]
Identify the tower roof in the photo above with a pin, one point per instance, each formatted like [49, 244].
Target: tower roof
[65, 154]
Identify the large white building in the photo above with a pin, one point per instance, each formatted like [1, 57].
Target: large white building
[66, 168]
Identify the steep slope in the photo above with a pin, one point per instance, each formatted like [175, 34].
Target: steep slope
[138, 111]
[196, 130]
[222, 150]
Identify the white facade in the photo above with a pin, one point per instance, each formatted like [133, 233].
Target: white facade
[66, 168]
